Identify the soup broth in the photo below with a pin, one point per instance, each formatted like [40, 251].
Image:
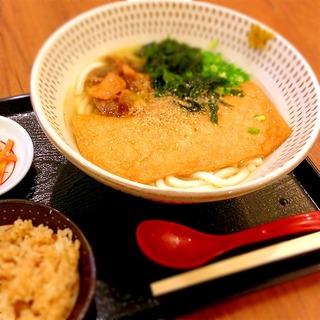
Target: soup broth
[123, 125]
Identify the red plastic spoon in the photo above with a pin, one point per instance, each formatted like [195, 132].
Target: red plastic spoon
[176, 246]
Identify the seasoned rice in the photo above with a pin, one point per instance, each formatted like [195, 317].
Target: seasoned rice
[39, 276]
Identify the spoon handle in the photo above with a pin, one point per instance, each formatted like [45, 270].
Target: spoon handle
[301, 223]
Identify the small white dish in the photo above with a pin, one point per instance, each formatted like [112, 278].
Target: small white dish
[22, 148]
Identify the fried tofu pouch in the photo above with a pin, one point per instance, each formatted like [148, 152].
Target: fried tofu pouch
[164, 140]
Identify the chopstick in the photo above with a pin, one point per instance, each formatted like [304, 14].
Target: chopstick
[242, 262]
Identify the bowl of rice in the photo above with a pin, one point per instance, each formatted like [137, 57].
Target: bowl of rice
[47, 266]
[176, 101]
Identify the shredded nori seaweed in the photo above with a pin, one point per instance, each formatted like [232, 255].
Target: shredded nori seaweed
[199, 78]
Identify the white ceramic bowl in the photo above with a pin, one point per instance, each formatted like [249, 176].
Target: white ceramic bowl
[284, 74]
[22, 148]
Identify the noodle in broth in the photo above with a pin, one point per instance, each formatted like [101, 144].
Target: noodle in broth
[200, 180]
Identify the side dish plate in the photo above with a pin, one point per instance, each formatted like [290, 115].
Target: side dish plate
[22, 148]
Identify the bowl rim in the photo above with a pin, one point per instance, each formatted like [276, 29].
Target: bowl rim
[119, 182]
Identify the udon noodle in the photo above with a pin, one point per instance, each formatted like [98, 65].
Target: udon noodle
[221, 178]
[200, 180]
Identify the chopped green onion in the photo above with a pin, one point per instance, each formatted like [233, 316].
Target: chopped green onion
[254, 130]
[213, 43]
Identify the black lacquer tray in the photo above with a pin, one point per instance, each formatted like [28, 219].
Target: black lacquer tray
[109, 218]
